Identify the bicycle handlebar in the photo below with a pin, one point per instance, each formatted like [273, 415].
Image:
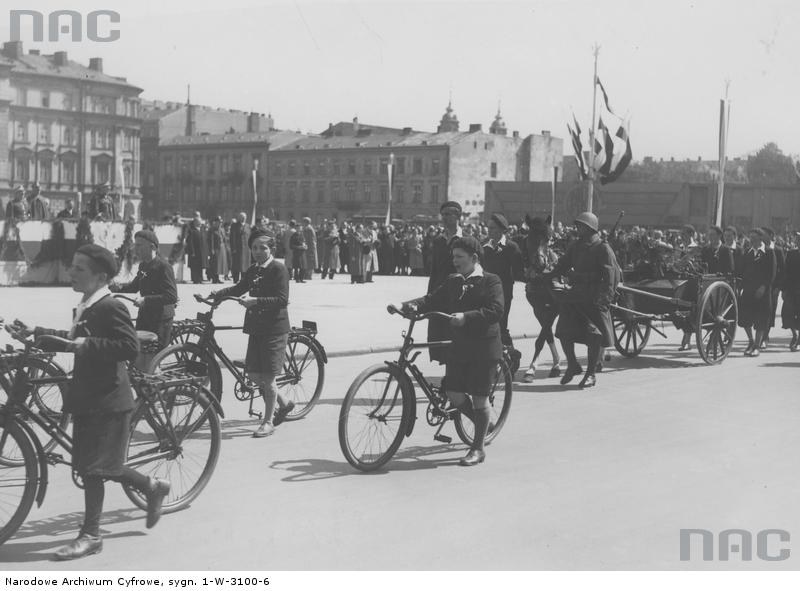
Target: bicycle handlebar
[214, 302]
[413, 315]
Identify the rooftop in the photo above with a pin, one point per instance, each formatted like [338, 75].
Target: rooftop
[276, 139]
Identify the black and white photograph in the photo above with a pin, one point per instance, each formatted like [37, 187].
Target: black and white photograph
[398, 287]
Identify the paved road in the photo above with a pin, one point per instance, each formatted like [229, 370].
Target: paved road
[597, 479]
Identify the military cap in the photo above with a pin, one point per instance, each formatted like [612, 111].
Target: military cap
[588, 219]
[449, 205]
[306, 220]
[500, 220]
[103, 258]
[148, 235]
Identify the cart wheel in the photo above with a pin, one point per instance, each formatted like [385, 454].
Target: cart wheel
[715, 327]
[631, 335]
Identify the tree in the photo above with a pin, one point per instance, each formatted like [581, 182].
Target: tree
[771, 166]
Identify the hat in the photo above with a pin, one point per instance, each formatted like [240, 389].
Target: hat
[103, 258]
[450, 204]
[500, 220]
[689, 229]
[759, 232]
[468, 244]
[19, 189]
[588, 219]
[306, 220]
[148, 235]
[768, 231]
[260, 234]
[716, 229]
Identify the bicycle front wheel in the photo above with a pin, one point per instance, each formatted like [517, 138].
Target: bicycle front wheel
[18, 478]
[499, 405]
[374, 418]
[191, 360]
[303, 375]
[175, 435]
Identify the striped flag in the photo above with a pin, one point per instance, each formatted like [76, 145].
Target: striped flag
[618, 167]
[605, 95]
[607, 149]
[577, 146]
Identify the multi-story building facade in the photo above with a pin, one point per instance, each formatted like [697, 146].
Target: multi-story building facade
[344, 172]
[68, 126]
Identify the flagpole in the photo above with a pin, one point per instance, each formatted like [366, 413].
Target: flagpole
[724, 119]
[590, 199]
[553, 197]
[255, 193]
[389, 168]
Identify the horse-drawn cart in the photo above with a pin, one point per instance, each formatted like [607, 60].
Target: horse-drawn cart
[694, 302]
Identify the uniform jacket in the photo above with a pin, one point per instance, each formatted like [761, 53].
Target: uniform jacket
[592, 269]
[155, 281]
[505, 261]
[791, 283]
[271, 286]
[758, 270]
[100, 378]
[480, 298]
[717, 261]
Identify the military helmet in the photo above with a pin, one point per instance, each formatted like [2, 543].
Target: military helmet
[587, 218]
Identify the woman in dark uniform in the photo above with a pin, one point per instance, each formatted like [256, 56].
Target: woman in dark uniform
[475, 300]
[790, 312]
[99, 397]
[264, 291]
[755, 303]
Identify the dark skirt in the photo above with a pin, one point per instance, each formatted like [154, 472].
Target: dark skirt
[266, 353]
[100, 443]
[475, 378]
[755, 311]
[580, 321]
[790, 312]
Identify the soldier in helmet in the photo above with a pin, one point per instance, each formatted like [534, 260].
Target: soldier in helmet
[585, 316]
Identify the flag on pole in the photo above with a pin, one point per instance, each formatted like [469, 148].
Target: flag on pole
[255, 192]
[724, 119]
[618, 167]
[389, 170]
[604, 168]
[605, 96]
[577, 146]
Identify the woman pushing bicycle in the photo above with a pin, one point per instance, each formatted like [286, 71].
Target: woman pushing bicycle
[264, 291]
[99, 397]
[474, 298]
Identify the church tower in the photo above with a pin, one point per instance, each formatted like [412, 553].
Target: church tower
[449, 120]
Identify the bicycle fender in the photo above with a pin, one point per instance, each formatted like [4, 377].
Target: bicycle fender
[215, 404]
[410, 399]
[41, 484]
[321, 350]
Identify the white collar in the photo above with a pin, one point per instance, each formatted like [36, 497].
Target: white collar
[94, 298]
[761, 249]
[476, 272]
[459, 233]
[502, 241]
[266, 263]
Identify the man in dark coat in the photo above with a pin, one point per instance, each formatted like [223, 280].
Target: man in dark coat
[780, 273]
[503, 257]
[729, 237]
[155, 281]
[240, 253]
[37, 205]
[715, 256]
[17, 207]
[68, 212]
[195, 249]
[585, 315]
[755, 303]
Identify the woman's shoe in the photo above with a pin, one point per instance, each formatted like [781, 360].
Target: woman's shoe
[265, 429]
[570, 373]
[793, 344]
[555, 371]
[473, 458]
[529, 376]
[588, 381]
[83, 545]
[749, 351]
[282, 413]
[684, 347]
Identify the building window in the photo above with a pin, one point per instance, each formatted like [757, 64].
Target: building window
[197, 190]
[69, 135]
[44, 133]
[66, 102]
[335, 192]
[127, 140]
[237, 162]
[320, 192]
[23, 172]
[46, 171]
[306, 168]
[322, 169]
[384, 193]
[292, 168]
[305, 192]
[211, 162]
[493, 170]
[417, 165]
[224, 192]
[237, 192]
[256, 160]
[211, 191]
[223, 164]
[46, 99]
[337, 167]
[368, 167]
[277, 168]
[401, 165]
[351, 166]
[383, 166]
[435, 166]
[417, 188]
[22, 131]
[367, 191]
[22, 96]
[291, 190]
[434, 193]
[167, 165]
[276, 192]
[399, 193]
[698, 201]
[68, 172]
[101, 172]
[198, 165]
[350, 191]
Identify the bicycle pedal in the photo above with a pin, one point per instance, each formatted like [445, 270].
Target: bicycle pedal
[442, 438]
[54, 458]
[257, 415]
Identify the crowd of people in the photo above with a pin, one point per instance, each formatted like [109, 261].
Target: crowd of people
[101, 205]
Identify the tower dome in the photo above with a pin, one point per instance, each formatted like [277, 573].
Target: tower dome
[498, 126]
[449, 120]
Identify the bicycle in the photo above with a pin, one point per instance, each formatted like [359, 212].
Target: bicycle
[196, 351]
[380, 407]
[175, 431]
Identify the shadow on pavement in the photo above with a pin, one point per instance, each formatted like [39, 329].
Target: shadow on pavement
[412, 458]
[786, 364]
[58, 526]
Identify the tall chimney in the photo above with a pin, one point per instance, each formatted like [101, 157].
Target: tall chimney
[96, 64]
[12, 49]
[253, 122]
[473, 127]
[60, 58]
[355, 125]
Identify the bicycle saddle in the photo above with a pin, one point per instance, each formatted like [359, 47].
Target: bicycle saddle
[146, 337]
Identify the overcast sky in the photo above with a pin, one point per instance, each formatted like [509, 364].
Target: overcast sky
[664, 64]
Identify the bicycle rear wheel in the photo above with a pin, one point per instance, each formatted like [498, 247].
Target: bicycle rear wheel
[303, 375]
[191, 360]
[18, 478]
[374, 418]
[499, 405]
[175, 435]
